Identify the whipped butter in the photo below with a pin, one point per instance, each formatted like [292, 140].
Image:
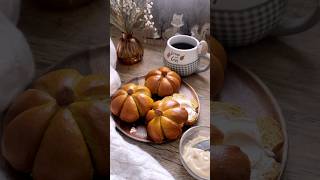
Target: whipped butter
[244, 133]
[196, 159]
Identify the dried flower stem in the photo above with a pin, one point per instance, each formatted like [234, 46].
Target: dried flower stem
[129, 14]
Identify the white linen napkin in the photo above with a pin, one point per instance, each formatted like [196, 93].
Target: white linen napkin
[16, 61]
[128, 161]
[11, 9]
[113, 54]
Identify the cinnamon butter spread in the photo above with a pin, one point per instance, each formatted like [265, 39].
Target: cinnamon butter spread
[196, 159]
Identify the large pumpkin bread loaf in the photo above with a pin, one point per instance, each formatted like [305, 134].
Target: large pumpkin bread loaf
[58, 128]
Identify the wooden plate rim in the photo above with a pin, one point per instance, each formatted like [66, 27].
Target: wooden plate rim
[278, 111]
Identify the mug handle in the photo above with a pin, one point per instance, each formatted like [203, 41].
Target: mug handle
[203, 53]
[289, 26]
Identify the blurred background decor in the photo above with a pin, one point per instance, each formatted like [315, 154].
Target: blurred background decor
[191, 17]
[127, 15]
[171, 17]
[240, 23]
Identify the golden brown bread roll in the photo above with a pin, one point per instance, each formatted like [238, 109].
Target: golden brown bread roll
[217, 79]
[63, 153]
[219, 64]
[218, 51]
[58, 129]
[165, 120]
[163, 82]
[229, 163]
[131, 102]
[217, 135]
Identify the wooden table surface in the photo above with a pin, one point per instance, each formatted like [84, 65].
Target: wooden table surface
[288, 65]
[168, 154]
[53, 35]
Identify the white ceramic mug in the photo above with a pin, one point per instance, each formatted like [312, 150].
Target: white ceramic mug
[242, 22]
[186, 61]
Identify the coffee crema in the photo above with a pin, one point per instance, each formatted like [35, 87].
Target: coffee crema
[183, 46]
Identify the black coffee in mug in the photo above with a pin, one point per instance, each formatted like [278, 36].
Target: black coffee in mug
[183, 45]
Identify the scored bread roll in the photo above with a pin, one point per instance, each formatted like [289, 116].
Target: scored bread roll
[217, 135]
[229, 163]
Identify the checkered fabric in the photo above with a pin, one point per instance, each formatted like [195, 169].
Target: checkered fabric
[243, 27]
[183, 70]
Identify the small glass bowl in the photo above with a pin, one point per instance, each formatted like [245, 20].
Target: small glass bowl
[186, 137]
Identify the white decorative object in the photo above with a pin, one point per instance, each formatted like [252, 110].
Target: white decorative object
[113, 55]
[11, 9]
[204, 32]
[115, 81]
[176, 23]
[195, 31]
[16, 62]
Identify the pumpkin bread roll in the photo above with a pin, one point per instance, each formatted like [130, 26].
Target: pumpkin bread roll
[58, 129]
[131, 102]
[229, 163]
[165, 120]
[163, 82]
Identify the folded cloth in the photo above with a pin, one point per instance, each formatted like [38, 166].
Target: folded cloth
[128, 161]
[11, 9]
[16, 62]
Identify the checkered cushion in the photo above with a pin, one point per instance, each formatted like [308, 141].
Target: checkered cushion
[183, 70]
[242, 27]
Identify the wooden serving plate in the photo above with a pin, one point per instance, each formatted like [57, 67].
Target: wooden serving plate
[138, 131]
[246, 90]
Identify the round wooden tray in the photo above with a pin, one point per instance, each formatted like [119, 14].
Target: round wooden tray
[137, 131]
[246, 90]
